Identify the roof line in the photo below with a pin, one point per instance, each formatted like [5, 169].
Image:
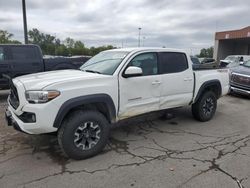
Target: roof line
[235, 30]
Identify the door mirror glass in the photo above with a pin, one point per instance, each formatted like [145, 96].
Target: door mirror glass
[132, 71]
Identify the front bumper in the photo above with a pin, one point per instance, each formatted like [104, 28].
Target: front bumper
[240, 91]
[11, 122]
[45, 115]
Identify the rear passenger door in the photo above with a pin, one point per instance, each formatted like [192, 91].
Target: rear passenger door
[177, 80]
[25, 60]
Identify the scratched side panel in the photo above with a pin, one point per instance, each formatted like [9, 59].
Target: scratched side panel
[138, 95]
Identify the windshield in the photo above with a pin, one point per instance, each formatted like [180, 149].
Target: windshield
[104, 63]
[232, 58]
[247, 64]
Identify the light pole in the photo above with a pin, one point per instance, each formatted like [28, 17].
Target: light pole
[25, 23]
[139, 37]
[143, 41]
[55, 44]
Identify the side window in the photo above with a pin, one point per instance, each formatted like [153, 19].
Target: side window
[24, 53]
[173, 62]
[2, 55]
[147, 62]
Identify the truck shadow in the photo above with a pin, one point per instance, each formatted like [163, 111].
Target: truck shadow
[34, 145]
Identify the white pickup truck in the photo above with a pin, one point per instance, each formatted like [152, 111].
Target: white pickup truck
[80, 105]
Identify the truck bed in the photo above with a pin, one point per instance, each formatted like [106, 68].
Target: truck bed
[210, 75]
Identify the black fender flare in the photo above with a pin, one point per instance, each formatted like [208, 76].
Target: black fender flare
[208, 84]
[84, 100]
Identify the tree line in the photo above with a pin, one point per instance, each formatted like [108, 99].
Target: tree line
[206, 52]
[52, 45]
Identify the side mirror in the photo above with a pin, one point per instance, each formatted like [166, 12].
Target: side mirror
[132, 71]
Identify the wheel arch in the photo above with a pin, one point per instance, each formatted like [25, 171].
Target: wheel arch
[211, 85]
[100, 102]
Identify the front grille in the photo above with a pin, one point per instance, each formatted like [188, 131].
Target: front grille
[241, 80]
[240, 86]
[13, 99]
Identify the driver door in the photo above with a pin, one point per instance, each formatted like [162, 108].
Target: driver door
[140, 94]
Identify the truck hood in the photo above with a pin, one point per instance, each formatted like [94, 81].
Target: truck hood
[241, 70]
[41, 80]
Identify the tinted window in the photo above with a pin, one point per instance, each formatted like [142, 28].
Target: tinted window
[24, 53]
[147, 62]
[1, 54]
[172, 62]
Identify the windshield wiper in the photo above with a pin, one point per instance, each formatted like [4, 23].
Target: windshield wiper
[92, 71]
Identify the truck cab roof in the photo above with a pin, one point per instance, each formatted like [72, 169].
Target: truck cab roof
[140, 49]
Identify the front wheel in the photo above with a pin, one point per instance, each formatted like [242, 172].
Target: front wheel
[83, 134]
[204, 109]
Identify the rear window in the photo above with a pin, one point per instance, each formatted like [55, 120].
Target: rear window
[173, 62]
[24, 53]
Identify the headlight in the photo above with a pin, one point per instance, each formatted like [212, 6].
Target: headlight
[41, 96]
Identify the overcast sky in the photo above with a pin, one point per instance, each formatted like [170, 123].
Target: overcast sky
[188, 24]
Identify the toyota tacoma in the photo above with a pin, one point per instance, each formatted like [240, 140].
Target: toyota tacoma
[81, 105]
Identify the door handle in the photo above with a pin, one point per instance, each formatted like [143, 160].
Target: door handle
[157, 82]
[188, 79]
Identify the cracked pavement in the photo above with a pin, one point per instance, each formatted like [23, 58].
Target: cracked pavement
[150, 152]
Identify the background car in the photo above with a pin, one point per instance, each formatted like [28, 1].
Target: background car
[18, 60]
[234, 60]
[240, 79]
[203, 63]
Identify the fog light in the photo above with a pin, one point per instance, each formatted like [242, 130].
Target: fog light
[28, 117]
[33, 117]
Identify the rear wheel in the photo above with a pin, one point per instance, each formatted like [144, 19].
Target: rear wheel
[83, 134]
[204, 109]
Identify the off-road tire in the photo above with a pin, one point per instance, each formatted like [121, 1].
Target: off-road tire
[204, 108]
[66, 134]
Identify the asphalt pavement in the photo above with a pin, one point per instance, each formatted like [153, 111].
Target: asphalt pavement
[174, 152]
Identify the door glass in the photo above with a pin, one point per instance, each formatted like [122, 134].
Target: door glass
[147, 62]
[173, 62]
[24, 53]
